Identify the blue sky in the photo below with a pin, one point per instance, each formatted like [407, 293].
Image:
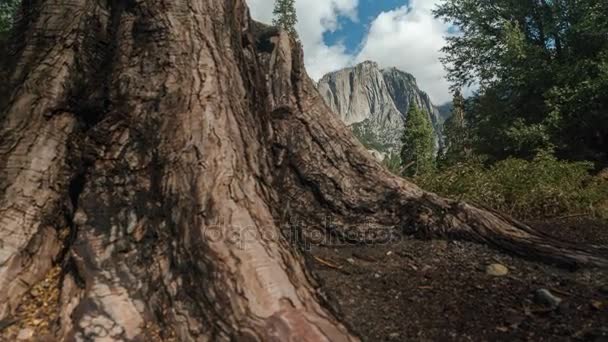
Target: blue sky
[351, 32]
[400, 33]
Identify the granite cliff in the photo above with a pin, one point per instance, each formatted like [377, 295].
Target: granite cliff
[374, 102]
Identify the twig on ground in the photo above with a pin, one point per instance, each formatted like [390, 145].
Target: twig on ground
[364, 257]
[326, 263]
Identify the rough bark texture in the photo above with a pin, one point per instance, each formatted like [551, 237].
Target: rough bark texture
[169, 156]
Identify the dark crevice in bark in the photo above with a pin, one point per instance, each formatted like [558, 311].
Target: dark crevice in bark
[89, 101]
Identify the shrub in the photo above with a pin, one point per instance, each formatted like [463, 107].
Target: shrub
[392, 162]
[542, 187]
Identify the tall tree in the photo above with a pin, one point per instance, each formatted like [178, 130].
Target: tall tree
[457, 145]
[541, 67]
[418, 149]
[153, 152]
[285, 16]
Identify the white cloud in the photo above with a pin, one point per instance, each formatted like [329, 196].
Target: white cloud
[314, 18]
[261, 10]
[410, 38]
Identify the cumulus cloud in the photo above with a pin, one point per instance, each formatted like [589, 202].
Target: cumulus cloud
[314, 18]
[410, 38]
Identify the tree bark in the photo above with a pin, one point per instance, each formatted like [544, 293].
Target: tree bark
[170, 156]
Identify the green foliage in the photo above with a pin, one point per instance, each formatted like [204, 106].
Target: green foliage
[392, 162]
[457, 144]
[417, 152]
[365, 133]
[542, 187]
[542, 67]
[7, 13]
[285, 16]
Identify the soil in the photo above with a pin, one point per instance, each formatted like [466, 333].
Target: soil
[414, 290]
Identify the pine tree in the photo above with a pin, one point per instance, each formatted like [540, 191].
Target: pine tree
[457, 142]
[417, 152]
[285, 16]
[539, 85]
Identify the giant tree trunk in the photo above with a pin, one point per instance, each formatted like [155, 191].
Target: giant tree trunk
[168, 157]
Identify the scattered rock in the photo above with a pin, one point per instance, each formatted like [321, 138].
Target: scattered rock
[376, 275]
[350, 260]
[597, 305]
[545, 297]
[497, 270]
[25, 334]
[389, 253]
[394, 335]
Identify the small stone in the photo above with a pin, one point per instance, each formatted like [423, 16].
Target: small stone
[376, 275]
[597, 305]
[389, 253]
[394, 335]
[497, 270]
[25, 334]
[545, 297]
[350, 260]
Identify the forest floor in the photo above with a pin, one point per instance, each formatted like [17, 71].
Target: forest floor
[415, 290]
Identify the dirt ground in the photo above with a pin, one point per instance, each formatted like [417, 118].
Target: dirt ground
[416, 290]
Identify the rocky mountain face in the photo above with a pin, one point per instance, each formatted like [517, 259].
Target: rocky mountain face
[374, 102]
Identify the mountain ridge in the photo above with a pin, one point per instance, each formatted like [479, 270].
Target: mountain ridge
[375, 101]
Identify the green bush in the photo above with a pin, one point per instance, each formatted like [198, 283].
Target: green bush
[392, 162]
[543, 187]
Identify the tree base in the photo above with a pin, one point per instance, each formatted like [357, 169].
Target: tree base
[153, 150]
